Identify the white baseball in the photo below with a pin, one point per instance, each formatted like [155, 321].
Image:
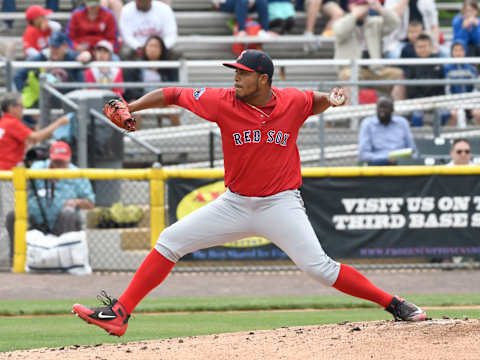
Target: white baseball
[337, 99]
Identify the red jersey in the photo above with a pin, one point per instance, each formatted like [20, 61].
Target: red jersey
[81, 30]
[13, 134]
[35, 38]
[260, 148]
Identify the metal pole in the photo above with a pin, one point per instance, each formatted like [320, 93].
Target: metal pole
[437, 120]
[183, 76]
[8, 76]
[321, 134]
[83, 117]
[135, 139]
[354, 91]
[43, 102]
[211, 148]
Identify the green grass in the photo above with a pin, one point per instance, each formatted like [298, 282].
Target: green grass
[207, 315]
[55, 331]
[39, 307]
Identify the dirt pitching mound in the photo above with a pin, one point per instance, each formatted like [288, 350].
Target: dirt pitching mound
[441, 339]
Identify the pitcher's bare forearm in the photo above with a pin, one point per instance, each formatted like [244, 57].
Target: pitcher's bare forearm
[153, 99]
[320, 102]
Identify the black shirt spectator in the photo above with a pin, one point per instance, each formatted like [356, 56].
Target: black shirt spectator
[423, 49]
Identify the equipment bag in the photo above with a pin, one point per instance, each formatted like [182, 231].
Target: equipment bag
[50, 253]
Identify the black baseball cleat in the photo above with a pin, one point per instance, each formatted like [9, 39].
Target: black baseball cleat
[403, 310]
[113, 317]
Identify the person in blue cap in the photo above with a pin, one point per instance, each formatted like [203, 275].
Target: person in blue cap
[26, 79]
[457, 72]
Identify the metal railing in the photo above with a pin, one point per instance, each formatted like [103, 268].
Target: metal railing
[83, 114]
[347, 113]
[184, 66]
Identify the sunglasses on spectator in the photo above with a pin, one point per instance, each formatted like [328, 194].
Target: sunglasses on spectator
[466, 151]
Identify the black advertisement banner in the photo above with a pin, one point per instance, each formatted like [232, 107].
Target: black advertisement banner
[393, 216]
[362, 217]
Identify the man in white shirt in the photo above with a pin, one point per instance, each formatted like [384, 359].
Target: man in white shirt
[142, 18]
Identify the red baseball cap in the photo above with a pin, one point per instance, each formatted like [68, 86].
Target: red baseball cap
[35, 11]
[253, 60]
[60, 150]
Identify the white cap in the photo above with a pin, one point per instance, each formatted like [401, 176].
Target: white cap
[105, 44]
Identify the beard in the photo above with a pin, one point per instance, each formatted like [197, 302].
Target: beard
[385, 119]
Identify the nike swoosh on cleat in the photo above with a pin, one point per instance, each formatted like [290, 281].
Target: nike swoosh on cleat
[101, 315]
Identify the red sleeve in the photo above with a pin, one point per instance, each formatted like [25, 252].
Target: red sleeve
[88, 76]
[203, 102]
[73, 29]
[111, 29]
[29, 39]
[20, 131]
[308, 97]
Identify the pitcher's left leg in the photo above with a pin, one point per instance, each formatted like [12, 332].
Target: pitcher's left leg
[293, 233]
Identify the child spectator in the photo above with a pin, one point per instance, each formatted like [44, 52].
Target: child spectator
[466, 27]
[103, 51]
[26, 80]
[281, 14]
[456, 72]
[91, 23]
[415, 28]
[424, 49]
[38, 30]
[154, 50]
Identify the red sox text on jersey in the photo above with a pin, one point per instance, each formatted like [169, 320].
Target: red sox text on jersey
[255, 137]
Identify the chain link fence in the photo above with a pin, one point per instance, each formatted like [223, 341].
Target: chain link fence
[118, 228]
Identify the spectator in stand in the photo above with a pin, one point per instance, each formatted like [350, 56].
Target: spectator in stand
[91, 23]
[415, 28]
[383, 133]
[141, 19]
[358, 34]
[7, 6]
[281, 14]
[241, 8]
[424, 11]
[60, 199]
[154, 50]
[424, 49]
[26, 80]
[460, 153]
[38, 30]
[456, 72]
[103, 51]
[466, 27]
[331, 8]
[15, 136]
